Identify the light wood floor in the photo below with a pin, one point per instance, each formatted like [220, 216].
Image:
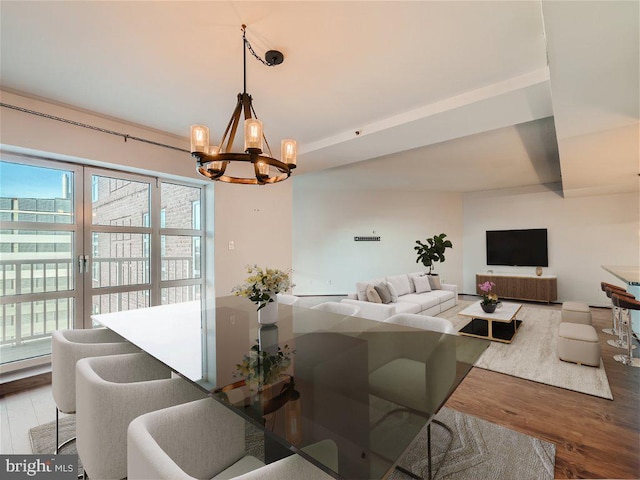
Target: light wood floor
[595, 438]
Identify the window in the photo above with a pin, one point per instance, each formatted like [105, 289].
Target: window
[44, 281]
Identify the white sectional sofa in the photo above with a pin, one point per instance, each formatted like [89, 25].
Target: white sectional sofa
[406, 299]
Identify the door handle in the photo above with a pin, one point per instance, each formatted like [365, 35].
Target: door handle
[83, 261]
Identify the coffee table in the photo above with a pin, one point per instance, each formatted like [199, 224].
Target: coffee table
[499, 326]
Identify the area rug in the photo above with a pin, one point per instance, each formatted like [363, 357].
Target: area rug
[533, 353]
[480, 450]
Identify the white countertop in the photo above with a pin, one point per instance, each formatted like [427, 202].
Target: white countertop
[628, 274]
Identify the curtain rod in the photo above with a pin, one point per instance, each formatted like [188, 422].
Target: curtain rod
[92, 127]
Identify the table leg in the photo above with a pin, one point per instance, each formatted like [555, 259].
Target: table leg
[490, 329]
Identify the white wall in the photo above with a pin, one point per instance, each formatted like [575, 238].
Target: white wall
[326, 259]
[584, 233]
[257, 219]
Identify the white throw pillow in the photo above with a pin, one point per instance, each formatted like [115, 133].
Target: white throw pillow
[401, 283]
[392, 291]
[422, 284]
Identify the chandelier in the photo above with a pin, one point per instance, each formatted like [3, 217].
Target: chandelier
[213, 160]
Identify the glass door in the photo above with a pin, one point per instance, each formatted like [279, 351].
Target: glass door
[39, 248]
[119, 235]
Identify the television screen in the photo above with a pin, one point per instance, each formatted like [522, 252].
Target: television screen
[522, 248]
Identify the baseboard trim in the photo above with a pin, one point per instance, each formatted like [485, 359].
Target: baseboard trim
[33, 381]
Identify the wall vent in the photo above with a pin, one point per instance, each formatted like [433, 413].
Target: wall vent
[366, 239]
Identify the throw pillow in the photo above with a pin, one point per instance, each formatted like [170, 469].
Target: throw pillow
[401, 283]
[423, 284]
[434, 281]
[394, 294]
[384, 293]
[372, 295]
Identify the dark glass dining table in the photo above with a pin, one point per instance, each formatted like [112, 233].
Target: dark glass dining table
[368, 386]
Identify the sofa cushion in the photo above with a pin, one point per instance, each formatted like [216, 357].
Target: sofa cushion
[442, 295]
[383, 292]
[423, 284]
[361, 287]
[372, 295]
[423, 300]
[402, 284]
[407, 307]
[434, 280]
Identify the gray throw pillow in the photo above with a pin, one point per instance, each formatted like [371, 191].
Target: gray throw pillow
[434, 280]
[372, 295]
[384, 293]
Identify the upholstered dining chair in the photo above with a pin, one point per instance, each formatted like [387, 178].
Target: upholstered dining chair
[287, 299]
[69, 346]
[418, 384]
[204, 439]
[110, 393]
[338, 308]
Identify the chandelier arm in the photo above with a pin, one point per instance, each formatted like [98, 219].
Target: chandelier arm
[235, 120]
[226, 131]
[246, 106]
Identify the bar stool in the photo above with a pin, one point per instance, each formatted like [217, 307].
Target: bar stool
[620, 342]
[625, 303]
[69, 346]
[608, 288]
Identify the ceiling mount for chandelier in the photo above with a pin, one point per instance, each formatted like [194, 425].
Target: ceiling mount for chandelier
[213, 160]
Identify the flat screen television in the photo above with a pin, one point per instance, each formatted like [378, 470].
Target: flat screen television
[522, 248]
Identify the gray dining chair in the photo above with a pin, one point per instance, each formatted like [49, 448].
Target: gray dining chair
[418, 385]
[110, 393]
[69, 346]
[204, 439]
[338, 308]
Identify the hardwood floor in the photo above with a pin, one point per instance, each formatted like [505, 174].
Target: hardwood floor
[594, 437]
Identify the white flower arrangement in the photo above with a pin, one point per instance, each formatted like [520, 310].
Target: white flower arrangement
[262, 285]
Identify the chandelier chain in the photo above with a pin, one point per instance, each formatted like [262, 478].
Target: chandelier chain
[252, 51]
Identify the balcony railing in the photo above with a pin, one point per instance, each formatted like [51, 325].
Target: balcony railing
[24, 318]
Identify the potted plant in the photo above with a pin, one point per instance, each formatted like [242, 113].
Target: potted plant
[489, 300]
[433, 252]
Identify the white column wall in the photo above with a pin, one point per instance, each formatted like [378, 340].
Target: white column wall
[327, 260]
[257, 219]
[584, 233]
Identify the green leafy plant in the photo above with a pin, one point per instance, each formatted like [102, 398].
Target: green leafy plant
[433, 251]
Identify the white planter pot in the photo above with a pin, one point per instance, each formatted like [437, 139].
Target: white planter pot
[268, 315]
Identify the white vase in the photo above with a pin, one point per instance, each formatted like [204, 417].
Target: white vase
[268, 314]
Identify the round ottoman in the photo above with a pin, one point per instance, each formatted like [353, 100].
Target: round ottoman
[576, 312]
[578, 343]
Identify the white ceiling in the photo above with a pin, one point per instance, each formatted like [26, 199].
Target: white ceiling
[406, 75]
